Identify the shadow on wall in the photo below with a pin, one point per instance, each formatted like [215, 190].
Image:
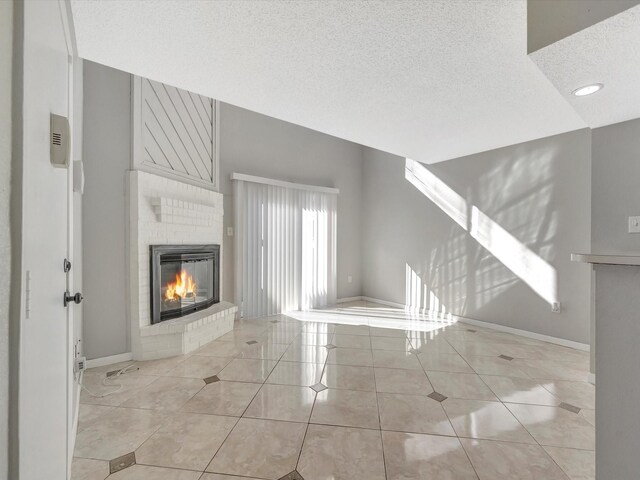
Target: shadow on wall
[458, 276]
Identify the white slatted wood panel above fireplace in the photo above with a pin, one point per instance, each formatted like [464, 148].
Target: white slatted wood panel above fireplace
[175, 133]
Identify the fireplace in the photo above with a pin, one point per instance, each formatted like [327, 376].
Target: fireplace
[184, 279]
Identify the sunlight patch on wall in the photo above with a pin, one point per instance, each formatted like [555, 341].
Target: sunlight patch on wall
[419, 298]
[528, 266]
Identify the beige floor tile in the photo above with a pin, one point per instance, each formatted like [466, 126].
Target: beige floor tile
[118, 432]
[394, 380]
[260, 448]
[305, 353]
[351, 341]
[520, 390]
[319, 327]
[282, 402]
[348, 408]
[166, 393]
[555, 427]
[444, 362]
[350, 356]
[144, 472]
[218, 348]
[551, 370]
[513, 461]
[313, 338]
[296, 373]
[284, 336]
[352, 330]
[577, 464]
[411, 456]
[223, 398]
[580, 394]
[494, 366]
[90, 413]
[519, 351]
[486, 420]
[589, 415]
[435, 346]
[349, 377]
[412, 413]
[460, 385]
[341, 453]
[387, 332]
[88, 469]
[186, 440]
[247, 370]
[123, 387]
[398, 344]
[240, 336]
[161, 366]
[264, 351]
[215, 476]
[391, 359]
[475, 348]
[198, 366]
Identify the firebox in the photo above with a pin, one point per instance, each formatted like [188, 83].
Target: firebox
[184, 279]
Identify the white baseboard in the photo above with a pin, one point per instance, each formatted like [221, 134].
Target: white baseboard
[501, 328]
[101, 362]
[525, 333]
[591, 378]
[349, 299]
[383, 302]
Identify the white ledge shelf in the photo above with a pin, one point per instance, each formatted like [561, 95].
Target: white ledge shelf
[172, 210]
[606, 259]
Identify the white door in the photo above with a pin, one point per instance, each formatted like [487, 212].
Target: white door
[44, 350]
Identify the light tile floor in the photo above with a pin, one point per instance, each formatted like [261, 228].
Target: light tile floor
[394, 397]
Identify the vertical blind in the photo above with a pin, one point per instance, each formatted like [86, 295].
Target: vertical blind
[285, 250]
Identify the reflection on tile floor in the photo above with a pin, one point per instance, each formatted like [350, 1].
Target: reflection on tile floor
[361, 391]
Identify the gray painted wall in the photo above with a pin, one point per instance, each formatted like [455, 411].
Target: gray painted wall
[107, 156]
[249, 143]
[538, 191]
[6, 72]
[551, 20]
[615, 194]
[255, 144]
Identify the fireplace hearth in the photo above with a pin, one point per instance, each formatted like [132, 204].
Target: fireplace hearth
[184, 279]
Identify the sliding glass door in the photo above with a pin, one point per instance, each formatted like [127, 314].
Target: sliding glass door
[285, 248]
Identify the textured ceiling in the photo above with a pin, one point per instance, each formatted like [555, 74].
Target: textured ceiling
[607, 52]
[432, 80]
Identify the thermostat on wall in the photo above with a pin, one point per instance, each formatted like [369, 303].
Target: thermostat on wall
[59, 141]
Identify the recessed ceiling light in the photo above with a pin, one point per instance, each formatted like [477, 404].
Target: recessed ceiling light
[588, 89]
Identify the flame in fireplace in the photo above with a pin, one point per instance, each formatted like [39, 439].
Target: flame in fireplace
[183, 287]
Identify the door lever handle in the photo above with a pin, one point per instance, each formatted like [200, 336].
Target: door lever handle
[68, 298]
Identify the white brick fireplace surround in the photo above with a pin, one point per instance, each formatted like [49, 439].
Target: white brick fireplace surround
[163, 211]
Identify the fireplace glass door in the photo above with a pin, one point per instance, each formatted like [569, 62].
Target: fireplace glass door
[184, 280]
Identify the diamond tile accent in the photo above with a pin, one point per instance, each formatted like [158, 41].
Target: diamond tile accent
[569, 407]
[292, 476]
[318, 387]
[209, 380]
[505, 357]
[330, 347]
[251, 342]
[120, 463]
[438, 397]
